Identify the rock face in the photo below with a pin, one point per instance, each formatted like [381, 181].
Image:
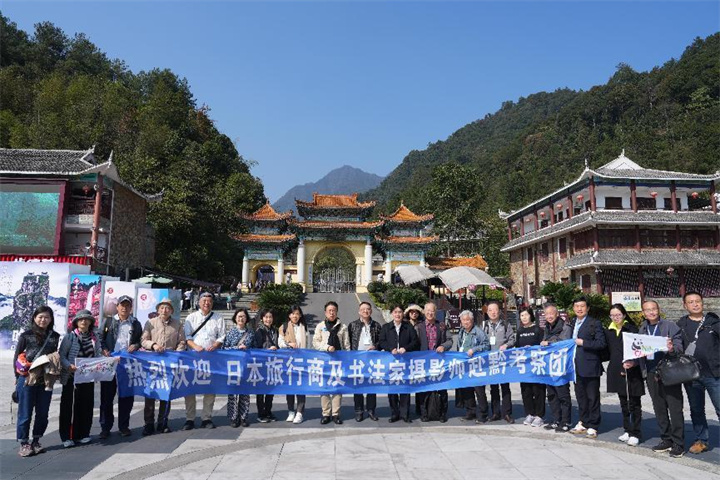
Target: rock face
[343, 180]
[33, 293]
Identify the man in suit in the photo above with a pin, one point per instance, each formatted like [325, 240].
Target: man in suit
[590, 340]
[398, 337]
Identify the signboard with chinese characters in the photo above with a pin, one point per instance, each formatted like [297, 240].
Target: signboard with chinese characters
[630, 300]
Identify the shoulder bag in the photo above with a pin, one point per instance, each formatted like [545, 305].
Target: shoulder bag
[677, 368]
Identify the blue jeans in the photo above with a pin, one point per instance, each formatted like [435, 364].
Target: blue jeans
[30, 398]
[696, 397]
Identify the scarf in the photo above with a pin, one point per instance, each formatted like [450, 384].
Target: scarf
[333, 339]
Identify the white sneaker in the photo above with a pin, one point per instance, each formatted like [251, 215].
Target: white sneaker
[578, 429]
[538, 422]
[85, 440]
[633, 441]
[68, 444]
[528, 420]
[298, 418]
[624, 437]
[291, 416]
[591, 433]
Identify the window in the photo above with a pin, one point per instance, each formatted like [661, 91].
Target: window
[657, 238]
[646, 203]
[544, 252]
[530, 255]
[616, 238]
[706, 239]
[585, 283]
[668, 203]
[562, 247]
[613, 203]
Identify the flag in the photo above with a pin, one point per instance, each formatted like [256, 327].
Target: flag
[636, 345]
[98, 369]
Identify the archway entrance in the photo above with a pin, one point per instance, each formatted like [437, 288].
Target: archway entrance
[265, 275]
[334, 271]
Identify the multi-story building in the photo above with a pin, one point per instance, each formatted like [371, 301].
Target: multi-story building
[65, 206]
[620, 228]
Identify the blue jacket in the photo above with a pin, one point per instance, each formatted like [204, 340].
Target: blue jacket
[587, 358]
[479, 343]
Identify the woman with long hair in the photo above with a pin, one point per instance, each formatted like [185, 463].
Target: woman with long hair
[293, 334]
[39, 339]
[266, 337]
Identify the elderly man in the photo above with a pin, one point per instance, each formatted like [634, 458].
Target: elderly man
[556, 330]
[364, 336]
[590, 339]
[433, 336]
[204, 331]
[471, 340]
[120, 333]
[161, 333]
[501, 336]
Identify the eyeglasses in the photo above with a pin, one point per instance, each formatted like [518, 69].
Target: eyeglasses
[617, 315]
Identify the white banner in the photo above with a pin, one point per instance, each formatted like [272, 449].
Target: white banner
[98, 369]
[636, 345]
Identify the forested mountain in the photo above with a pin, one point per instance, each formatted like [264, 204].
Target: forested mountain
[343, 180]
[58, 92]
[667, 118]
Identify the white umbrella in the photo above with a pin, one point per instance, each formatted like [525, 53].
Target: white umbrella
[457, 278]
[414, 273]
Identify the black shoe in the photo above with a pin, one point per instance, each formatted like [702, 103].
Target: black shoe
[495, 418]
[481, 421]
[372, 416]
[424, 419]
[207, 424]
[104, 434]
[189, 425]
[509, 419]
[470, 416]
[663, 446]
[324, 420]
[394, 419]
[163, 428]
[552, 426]
[563, 428]
[443, 419]
[148, 430]
[337, 420]
[407, 420]
[235, 423]
[272, 418]
[359, 417]
[125, 432]
[677, 451]
[244, 423]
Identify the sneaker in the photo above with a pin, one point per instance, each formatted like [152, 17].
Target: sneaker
[37, 448]
[663, 446]
[298, 418]
[633, 441]
[272, 417]
[677, 451]
[85, 440]
[698, 447]
[26, 450]
[207, 424]
[290, 417]
[563, 429]
[591, 433]
[538, 422]
[579, 429]
[263, 420]
[528, 420]
[624, 437]
[68, 444]
[552, 426]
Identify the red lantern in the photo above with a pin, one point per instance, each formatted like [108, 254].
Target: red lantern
[528, 219]
[653, 194]
[86, 189]
[559, 206]
[694, 194]
[580, 197]
[542, 214]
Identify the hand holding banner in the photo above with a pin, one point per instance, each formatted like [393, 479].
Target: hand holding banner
[636, 346]
[98, 369]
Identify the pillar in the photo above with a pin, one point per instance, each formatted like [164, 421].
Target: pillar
[368, 263]
[280, 275]
[593, 204]
[422, 259]
[301, 263]
[96, 217]
[246, 269]
[388, 268]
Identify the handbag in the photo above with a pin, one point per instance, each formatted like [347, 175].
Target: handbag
[677, 368]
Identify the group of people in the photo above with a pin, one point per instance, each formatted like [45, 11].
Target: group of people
[411, 329]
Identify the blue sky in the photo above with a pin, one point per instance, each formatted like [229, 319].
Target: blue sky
[306, 87]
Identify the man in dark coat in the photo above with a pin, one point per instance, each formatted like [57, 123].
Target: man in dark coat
[364, 335]
[432, 336]
[398, 337]
[590, 340]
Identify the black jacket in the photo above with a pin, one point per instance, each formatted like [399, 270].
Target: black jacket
[587, 357]
[265, 337]
[615, 369]
[408, 337]
[109, 332]
[442, 339]
[28, 343]
[557, 331]
[707, 349]
[355, 329]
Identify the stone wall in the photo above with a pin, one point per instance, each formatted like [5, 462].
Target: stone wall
[129, 235]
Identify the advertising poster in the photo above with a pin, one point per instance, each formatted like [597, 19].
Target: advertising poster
[148, 298]
[85, 294]
[113, 290]
[24, 286]
[31, 217]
